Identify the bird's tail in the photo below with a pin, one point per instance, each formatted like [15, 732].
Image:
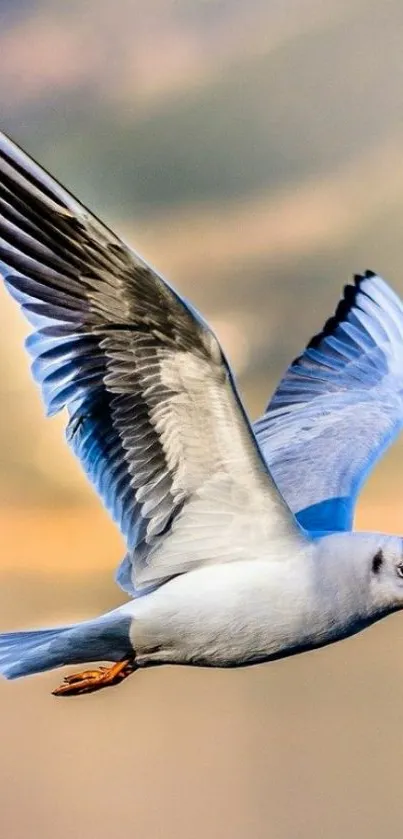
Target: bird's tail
[22, 653]
[103, 639]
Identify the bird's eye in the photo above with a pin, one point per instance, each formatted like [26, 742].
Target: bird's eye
[399, 569]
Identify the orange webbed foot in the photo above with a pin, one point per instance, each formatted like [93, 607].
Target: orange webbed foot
[89, 680]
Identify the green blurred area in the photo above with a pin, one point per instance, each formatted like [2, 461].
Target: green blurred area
[252, 150]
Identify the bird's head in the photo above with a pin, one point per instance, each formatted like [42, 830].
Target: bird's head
[385, 572]
[364, 573]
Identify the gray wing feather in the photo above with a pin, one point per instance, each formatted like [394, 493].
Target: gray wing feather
[153, 414]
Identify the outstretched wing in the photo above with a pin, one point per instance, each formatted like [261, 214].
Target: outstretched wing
[153, 414]
[338, 407]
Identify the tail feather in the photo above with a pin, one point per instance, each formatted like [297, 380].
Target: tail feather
[106, 638]
[23, 653]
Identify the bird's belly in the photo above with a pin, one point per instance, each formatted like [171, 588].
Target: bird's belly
[225, 615]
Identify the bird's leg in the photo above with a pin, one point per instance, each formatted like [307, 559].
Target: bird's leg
[90, 680]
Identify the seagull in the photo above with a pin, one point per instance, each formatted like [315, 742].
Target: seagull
[239, 540]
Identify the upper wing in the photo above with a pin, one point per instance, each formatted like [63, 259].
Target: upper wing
[153, 414]
[339, 405]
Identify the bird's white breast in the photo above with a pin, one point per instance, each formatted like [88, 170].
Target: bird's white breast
[228, 614]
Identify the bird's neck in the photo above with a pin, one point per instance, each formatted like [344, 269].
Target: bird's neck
[341, 583]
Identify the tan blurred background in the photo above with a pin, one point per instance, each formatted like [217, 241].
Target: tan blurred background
[252, 150]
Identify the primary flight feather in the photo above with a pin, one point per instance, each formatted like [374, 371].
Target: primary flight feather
[233, 554]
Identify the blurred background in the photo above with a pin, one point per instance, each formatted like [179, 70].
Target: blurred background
[251, 150]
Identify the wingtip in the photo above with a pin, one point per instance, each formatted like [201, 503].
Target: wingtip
[366, 275]
[344, 307]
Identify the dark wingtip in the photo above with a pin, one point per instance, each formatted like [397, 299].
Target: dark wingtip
[367, 275]
[342, 311]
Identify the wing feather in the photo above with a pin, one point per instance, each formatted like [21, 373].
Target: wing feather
[153, 413]
[338, 407]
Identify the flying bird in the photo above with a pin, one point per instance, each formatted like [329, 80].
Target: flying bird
[239, 541]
